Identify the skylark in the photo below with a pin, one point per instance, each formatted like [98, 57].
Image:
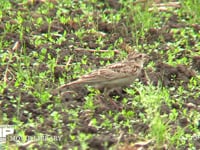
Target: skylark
[114, 75]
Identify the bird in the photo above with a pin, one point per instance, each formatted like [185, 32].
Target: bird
[114, 75]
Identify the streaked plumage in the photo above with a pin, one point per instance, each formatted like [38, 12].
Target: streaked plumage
[114, 75]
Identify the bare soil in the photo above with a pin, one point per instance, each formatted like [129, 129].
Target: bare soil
[164, 74]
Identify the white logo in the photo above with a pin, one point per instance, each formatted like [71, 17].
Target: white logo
[4, 131]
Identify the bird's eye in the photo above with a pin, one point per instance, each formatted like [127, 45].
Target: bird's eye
[140, 56]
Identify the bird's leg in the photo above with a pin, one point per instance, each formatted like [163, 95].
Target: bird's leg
[112, 102]
[99, 96]
[118, 90]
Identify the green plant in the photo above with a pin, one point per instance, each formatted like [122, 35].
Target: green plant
[158, 129]
[191, 9]
[140, 20]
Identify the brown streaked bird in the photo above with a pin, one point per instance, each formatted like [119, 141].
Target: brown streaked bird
[114, 75]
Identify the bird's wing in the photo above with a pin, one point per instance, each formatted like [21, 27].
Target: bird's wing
[98, 76]
[124, 68]
[102, 75]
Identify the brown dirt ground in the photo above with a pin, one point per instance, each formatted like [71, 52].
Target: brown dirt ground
[167, 75]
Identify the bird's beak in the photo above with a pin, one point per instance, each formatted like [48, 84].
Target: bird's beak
[146, 57]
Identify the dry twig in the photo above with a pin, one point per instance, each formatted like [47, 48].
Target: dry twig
[94, 50]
